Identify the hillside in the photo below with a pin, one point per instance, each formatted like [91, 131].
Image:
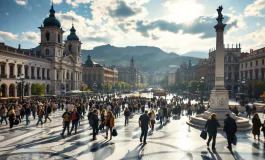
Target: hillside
[147, 58]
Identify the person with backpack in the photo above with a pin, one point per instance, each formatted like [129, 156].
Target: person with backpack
[66, 120]
[126, 115]
[40, 114]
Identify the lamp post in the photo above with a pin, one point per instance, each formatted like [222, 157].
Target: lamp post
[202, 81]
[82, 86]
[242, 85]
[21, 80]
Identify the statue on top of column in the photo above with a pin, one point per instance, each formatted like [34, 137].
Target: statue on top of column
[220, 15]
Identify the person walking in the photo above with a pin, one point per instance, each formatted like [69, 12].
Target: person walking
[40, 114]
[109, 123]
[230, 128]
[66, 120]
[75, 116]
[18, 112]
[116, 111]
[211, 127]
[144, 122]
[47, 111]
[153, 119]
[95, 124]
[33, 110]
[161, 113]
[103, 117]
[3, 114]
[12, 117]
[126, 115]
[248, 111]
[263, 128]
[27, 112]
[256, 125]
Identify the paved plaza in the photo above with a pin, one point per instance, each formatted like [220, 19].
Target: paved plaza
[175, 140]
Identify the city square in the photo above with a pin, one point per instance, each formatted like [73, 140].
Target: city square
[66, 92]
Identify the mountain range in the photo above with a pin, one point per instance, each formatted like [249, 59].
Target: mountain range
[146, 58]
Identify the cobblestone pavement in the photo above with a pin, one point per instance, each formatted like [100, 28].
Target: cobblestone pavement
[174, 140]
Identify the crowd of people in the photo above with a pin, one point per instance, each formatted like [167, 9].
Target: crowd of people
[101, 113]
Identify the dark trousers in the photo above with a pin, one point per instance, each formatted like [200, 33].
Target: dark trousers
[34, 114]
[152, 124]
[144, 133]
[47, 117]
[248, 114]
[161, 120]
[229, 139]
[66, 125]
[95, 131]
[74, 124]
[18, 118]
[212, 136]
[126, 120]
[39, 120]
[3, 118]
[116, 115]
[11, 123]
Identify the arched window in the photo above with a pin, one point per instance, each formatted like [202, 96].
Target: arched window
[47, 52]
[47, 36]
[59, 38]
[70, 47]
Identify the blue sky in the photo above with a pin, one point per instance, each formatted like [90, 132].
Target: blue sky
[178, 26]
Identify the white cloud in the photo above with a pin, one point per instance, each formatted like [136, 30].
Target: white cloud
[8, 36]
[75, 3]
[257, 24]
[22, 2]
[230, 8]
[255, 9]
[24, 36]
[57, 1]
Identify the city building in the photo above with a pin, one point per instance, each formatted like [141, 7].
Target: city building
[202, 70]
[231, 68]
[185, 72]
[97, 74]
[128, 74]
[252, 69]
[53, 63]
[171, 78]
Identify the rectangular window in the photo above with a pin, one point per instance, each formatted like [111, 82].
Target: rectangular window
[246, 64]
[38, 73]
[262, 75]
[262, 61]
[11, 70]
[32, 72]
[250, 75]
[257, 62]
[48, 74]
[26, 72]
[3, 69]
[18, 71]
[250, 64]
[257, 75]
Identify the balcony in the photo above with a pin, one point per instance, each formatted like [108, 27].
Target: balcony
[12, 76]
[3, 76]
[32, 77]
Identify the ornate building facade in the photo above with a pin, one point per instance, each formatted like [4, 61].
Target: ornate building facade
[97, 74]
[129, 74]
[53, 63]
[185, 73]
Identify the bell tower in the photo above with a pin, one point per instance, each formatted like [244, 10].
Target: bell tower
[51, 44]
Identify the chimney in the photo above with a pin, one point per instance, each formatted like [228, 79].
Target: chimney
[18, 46]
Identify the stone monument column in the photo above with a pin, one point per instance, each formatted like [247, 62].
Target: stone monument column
[219, 95]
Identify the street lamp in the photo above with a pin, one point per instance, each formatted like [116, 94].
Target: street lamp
[82, 86]
[202, 81]
[242, 85]
[21, 80]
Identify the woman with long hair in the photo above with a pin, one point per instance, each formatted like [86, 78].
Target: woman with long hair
[256, 125]
[153, 119]
[211, 126]
[103, 117]
[12, 116]
[109, 123]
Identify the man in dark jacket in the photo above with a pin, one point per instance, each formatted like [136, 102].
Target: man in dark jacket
[95, 124]
[27, 112]
[230, 128]
[126, 114]
[211, 126]
[144, 122]
[47, 111]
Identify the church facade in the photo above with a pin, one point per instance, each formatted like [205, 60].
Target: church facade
[54, 63]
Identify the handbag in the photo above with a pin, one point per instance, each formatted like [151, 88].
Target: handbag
[157, 117]
[114, 132]
[203, 135]
[16, 122]
[234, 140]
[100, 127]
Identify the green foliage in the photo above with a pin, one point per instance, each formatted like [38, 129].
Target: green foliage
[193, 86]
[84, 88]
[259, 87]
[37, 89]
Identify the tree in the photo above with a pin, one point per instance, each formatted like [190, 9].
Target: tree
[259, 87]
[84, 88]
[37, 89]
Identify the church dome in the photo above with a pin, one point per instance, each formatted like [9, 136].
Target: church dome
[72, 35]
[51, 20]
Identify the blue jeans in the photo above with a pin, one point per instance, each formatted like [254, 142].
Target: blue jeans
[39, 120]
[27, 119]
[3, 118]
